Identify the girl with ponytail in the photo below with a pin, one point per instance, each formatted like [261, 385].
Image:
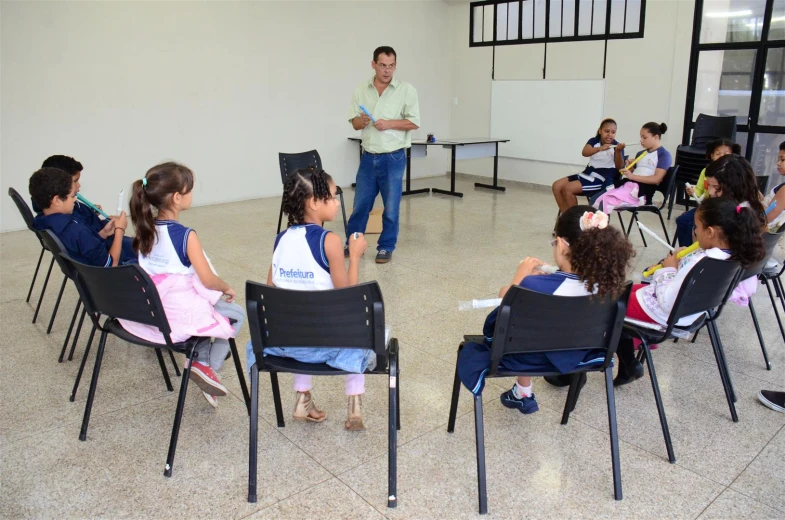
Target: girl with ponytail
[726, 230]
[189, 287]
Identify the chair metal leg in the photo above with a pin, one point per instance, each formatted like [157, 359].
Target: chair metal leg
[76, 336]
[695, 337]
[252, 434]
[572, 397]
[239, 367]
[277, 399]
[723, 369]
[724, 358]
[174, 364]
[280, 216]
[398, 396]
[658, 399]
[35, 275]
[163, 369]
[345, 222]
[43, 290]
[774, 306]
[778, 283]
[664, 229]
[70, 330]
[621, 223]
[456, 393]
[480, 444]
[392, 429]
[57, 305]
[760, 335]
[93, 385]
[615, 461]
[643, 237]
[82, 364]
[178, 414]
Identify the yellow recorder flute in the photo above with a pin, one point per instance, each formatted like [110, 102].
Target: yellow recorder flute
[641, 156]
[681, 254]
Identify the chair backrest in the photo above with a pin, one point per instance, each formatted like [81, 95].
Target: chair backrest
[530, 322]
[668, 184]
[291, 162]
[352, 317]
[124, 292]
[23, 208]
[710, 128]
[56, 247]
[769, 243]
[706, 287]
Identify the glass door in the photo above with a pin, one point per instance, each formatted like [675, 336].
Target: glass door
[737, 68]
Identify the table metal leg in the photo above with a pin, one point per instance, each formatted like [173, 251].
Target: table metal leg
[452, 179]
[495, 185]
[408, 190]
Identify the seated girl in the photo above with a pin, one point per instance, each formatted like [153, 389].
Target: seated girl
[684, 222]
[605, 160]
[726, 229]
[592, 258]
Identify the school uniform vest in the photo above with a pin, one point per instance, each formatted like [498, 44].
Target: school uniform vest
[299, 260]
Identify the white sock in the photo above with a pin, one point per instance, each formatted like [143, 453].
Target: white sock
[521, 391]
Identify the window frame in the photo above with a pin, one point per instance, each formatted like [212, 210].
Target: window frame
[606, 35]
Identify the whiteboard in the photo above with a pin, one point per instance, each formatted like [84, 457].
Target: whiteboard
[546, 120]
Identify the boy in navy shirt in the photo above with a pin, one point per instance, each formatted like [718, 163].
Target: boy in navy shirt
[54, 192]
[81, 211]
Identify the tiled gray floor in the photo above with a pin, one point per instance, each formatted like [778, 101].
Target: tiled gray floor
[731, 504]
[449, 250]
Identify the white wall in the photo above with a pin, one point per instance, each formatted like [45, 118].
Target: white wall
[220, 86]
[646, 80]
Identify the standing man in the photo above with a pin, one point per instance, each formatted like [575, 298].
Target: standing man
[393, 104]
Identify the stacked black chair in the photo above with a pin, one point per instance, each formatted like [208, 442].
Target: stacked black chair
[692, 158]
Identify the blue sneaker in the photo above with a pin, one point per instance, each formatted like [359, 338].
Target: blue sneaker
[526, 405]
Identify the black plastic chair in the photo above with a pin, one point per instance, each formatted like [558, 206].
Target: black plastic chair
[53, 244]
[773, 274]
[668, 188]
[127, 292]
[690, 167]
[285, 318]
[710, 128]
[27, 215]
[770, 242]
[291, 162]
[594, 324]
[692, 158]
[705, 290]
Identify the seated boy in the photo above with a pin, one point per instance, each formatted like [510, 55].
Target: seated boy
[104, 228]
[54, 192]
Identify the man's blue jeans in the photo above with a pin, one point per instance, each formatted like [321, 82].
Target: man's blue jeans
[379, 173]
